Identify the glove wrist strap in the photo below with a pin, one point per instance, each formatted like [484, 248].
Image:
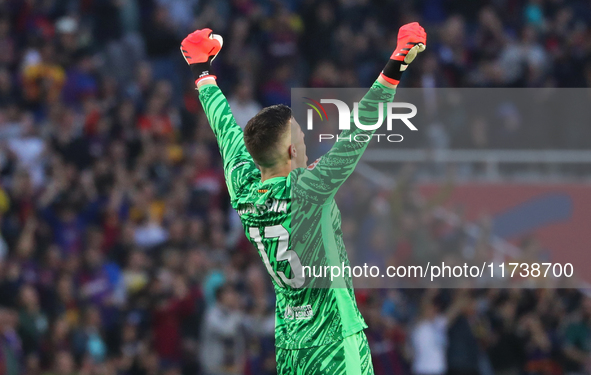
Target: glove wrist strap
[390, 80]
[393, 71]
[203, 78]
[200, 70]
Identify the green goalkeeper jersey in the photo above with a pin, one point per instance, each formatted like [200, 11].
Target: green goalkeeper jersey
[294, 223]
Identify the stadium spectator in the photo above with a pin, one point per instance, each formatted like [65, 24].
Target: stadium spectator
[223, 342]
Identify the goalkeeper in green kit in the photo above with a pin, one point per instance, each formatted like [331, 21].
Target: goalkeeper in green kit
[318, 330]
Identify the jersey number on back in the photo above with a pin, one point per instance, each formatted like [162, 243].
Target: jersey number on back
[282, 235]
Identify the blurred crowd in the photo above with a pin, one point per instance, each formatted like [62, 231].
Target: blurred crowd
[119, 253]
[518, 331]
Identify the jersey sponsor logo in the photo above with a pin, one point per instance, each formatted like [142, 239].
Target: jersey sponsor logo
[298, 312]
[313, 165]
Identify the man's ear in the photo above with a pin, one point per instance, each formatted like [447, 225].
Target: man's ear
[292, 152]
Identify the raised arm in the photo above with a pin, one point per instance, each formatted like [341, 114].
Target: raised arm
[200, 49]
[328, 173]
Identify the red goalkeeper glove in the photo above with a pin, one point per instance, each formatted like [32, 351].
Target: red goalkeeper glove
[199, 50]
[412, 40]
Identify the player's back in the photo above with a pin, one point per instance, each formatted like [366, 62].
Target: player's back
[294, 222]
[292, 231]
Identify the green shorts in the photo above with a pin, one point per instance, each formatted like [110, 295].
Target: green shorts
[351, 356]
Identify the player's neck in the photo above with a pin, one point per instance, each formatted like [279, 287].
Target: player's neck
[280, 171]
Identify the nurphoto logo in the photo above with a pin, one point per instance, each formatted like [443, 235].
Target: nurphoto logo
[344, 115]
